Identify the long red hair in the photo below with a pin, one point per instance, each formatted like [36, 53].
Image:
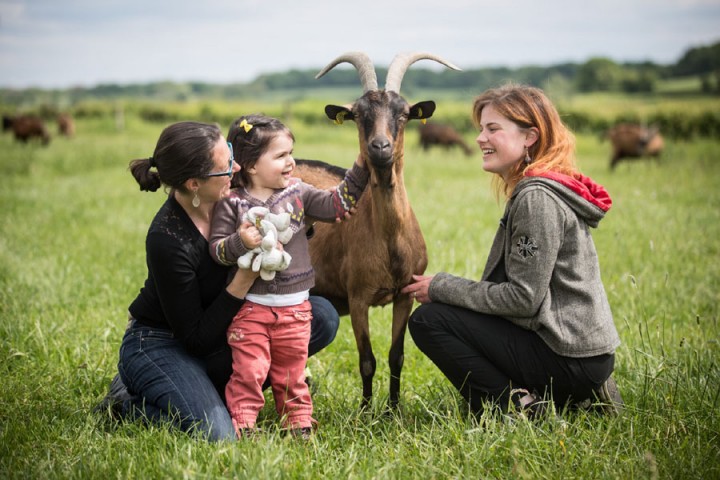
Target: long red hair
[528, 107]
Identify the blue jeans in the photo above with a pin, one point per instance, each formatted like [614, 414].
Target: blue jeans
[167, 384]
[324, 325]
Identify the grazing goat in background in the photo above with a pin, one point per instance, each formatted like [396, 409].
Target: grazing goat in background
[26, 127]
[366, 260]
[66, 125]
[442, 135]
[630, 140]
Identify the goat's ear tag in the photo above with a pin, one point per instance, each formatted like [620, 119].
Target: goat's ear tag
[340, 117]
[423, 120]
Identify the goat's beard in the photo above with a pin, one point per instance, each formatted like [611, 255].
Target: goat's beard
[384, 177]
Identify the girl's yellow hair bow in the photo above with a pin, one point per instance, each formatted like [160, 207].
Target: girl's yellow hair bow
[247, 126]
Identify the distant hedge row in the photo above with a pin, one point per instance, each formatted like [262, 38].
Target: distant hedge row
[676, 125]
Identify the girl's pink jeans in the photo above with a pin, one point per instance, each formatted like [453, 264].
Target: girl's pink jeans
[269, 341]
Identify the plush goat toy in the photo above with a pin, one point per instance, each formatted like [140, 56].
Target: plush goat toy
[267, 258]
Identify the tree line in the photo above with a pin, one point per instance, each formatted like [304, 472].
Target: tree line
[596, 74]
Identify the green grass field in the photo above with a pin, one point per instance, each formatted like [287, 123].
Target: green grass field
[73, 224]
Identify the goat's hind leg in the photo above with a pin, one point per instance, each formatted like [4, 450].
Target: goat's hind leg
[396, 358]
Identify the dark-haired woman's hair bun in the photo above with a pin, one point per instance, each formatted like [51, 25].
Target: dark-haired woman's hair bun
[148, 180]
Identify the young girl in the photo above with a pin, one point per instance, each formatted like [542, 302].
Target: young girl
[538, 323]
[269, 335]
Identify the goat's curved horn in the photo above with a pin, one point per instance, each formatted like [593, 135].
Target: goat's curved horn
[362, 64]
[400, 64]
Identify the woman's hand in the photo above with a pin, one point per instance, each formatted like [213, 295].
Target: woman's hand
[419, 288]
[240, 285]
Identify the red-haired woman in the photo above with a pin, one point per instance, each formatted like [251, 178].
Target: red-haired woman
[537, 326]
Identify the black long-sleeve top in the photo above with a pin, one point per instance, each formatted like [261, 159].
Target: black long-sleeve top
[185, 289]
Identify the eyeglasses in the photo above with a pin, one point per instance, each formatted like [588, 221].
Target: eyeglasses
[231, 162]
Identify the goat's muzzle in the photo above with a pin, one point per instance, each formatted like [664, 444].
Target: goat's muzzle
[380, 152]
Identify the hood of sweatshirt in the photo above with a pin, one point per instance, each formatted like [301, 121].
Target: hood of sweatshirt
[588, 199]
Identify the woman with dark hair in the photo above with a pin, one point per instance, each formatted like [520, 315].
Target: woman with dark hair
[174, 358]
[537, 326]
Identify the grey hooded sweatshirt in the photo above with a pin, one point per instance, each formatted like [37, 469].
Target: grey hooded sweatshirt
[543, 272]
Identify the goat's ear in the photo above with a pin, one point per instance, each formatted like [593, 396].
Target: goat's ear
[422, 110]
[338, 113]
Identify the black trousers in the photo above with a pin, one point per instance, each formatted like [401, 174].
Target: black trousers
[486, 356]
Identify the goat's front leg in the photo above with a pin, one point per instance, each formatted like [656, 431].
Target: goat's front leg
[361, 328]
[401, 312]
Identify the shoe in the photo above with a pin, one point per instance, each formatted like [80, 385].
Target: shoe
[529, 405]
[310, 382]
[250, 433]
[304, 433]
[112, 404]
[611, 403]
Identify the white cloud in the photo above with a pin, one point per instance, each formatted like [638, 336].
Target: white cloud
[52, 43]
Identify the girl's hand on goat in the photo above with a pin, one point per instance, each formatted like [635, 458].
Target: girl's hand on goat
[419, 288]
[249, 235]
[347, 215]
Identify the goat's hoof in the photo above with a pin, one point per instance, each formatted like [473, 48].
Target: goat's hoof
[365, 405]
[390, 412]
[392, 409]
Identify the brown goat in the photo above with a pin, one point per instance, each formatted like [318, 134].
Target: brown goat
[630, 140]
[442, 135]
[25, 127]
[66, 125]
[366, 260]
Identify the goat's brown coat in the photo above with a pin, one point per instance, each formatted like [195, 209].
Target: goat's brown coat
[365, 261]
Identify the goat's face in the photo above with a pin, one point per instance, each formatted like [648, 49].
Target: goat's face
[381, 118]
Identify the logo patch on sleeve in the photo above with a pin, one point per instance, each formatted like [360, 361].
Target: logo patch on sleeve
[527, 247]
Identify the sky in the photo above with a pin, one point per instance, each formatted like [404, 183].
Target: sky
[83, 43]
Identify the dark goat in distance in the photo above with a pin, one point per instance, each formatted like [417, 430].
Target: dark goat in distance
[630, 140]
[442, 135]
[26, 127]
[366, 260]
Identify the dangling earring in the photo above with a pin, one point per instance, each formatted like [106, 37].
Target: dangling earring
[528, 160]
[196, 200]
